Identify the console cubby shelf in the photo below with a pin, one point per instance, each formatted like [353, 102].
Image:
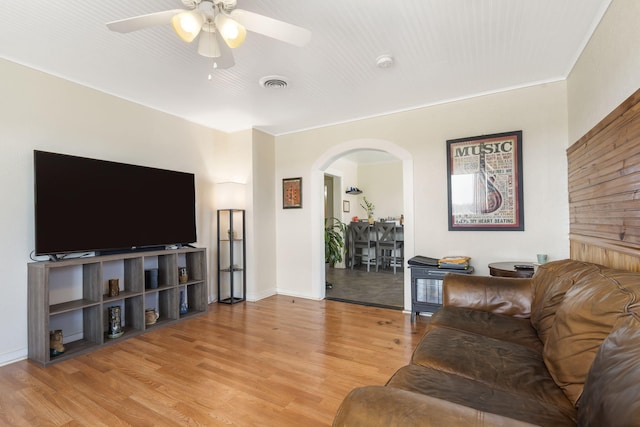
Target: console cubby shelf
[73, 295]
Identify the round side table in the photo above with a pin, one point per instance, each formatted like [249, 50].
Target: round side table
[508, 269]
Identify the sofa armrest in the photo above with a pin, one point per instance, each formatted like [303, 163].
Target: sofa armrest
[501, 295]
[390, 407]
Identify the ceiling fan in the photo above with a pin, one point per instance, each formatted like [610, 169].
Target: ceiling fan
[219, 24]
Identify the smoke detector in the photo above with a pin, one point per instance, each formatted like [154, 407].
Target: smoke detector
[274, 82]
[384, 61]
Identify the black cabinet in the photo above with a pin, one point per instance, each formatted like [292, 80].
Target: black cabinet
[232, 277]
[426, 287]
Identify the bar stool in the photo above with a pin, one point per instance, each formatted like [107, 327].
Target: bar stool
[388, 244]
[360, 241]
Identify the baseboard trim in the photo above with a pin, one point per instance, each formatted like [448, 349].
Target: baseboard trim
[368, 304]
[12, 357]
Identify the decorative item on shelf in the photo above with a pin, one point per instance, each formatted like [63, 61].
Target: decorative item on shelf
[56, 347]
[115, 322]
[370, 208]
[151, 278]
[353, 190]
[184, 308]
[114, 287]
[454, 262]
[402, 219]
[355, 218]
[150, 316]
[183, 277]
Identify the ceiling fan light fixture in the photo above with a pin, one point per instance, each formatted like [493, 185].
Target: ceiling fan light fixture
[187, 24]
[228, 5]
[208, 45]
[231, 31]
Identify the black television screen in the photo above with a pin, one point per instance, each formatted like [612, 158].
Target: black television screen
[84, 204]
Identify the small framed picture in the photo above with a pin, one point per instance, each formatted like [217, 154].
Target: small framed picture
[291, 193]
[346, 206]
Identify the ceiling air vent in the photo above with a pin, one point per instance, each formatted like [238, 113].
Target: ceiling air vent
[384, 61]
[274, 82]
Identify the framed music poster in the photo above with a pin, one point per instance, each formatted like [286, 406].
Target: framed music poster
[291, 193]
[484, 181]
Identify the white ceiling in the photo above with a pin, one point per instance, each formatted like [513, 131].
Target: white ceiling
[443, 49]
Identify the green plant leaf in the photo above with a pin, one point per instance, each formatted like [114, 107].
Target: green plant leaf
[334, 238]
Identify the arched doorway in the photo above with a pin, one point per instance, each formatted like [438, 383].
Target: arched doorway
[317, 193]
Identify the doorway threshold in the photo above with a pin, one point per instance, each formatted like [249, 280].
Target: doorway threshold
[368, 304]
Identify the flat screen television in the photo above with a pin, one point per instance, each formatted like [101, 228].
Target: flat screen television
[84, 204]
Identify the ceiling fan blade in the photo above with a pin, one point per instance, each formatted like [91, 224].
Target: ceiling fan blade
[225, 60]
[273, 28]
[143, 21]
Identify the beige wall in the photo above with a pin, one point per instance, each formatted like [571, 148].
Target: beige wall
[345, 174]
[540, 112]
[382, 184]
[261, 272]
[608, 71]
[42, 112]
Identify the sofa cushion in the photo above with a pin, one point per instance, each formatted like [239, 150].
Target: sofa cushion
[393, 407]
[503, 365]
[551, 282]
[587, 314]
[506, 328]
[610, 396]
[544, 314]
[482, 397]
[502, 295]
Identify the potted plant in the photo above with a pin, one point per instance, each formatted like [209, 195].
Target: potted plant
[334, 235]
[369, 207]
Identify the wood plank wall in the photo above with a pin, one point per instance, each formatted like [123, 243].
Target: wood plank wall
[604, 190]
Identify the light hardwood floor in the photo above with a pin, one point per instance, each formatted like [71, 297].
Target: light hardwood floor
[281, 361]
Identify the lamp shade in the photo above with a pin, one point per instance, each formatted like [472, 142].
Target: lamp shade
[230, 195]
[231, 31]
[187, 24]
[208, 44]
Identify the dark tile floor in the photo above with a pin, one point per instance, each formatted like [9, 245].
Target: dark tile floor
[381, 289]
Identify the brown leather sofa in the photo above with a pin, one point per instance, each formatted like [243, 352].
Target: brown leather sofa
[559, 349]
